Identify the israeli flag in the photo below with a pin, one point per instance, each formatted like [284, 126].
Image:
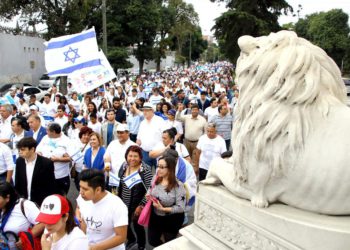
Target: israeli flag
[114, 180]
[65, 54]
[132, 180]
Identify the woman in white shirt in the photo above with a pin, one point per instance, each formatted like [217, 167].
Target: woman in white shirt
[17, 215]
[61, 232]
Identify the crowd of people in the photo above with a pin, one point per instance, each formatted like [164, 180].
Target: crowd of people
[148, 138]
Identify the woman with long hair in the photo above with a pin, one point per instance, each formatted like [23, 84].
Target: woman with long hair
[169, 199]
[134, 197]
[61, 231]
[17, 215]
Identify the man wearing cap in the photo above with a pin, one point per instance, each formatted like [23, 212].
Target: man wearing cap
[5, 122]
[103, 216]
[56, 146]
[109, 128]
[34, 178]
[150, 133]
[39, 131]
[115, 152]
[34, 110]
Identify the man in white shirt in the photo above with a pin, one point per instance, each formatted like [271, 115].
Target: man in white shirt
[56, 146]
[115, 152]
[17, 126]
[34, 177]
[210, 145]
[61, 119]
[155, 97]
[150, 133]
[6, 163]
[5, 122]
[48, 108]
[103, 216]
[211, 111]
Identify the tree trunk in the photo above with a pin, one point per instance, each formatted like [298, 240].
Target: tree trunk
[158, 64]
[63, 85]
[141, 61]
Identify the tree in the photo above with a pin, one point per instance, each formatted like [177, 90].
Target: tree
[61, 17]
[247, 17]
[195, 44]
[330, 31]
[186, 21]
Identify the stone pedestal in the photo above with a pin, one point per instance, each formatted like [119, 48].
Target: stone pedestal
[223, 221]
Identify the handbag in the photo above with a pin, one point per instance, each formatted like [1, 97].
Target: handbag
[146, 211]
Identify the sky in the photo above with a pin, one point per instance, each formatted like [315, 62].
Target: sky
[208, 11]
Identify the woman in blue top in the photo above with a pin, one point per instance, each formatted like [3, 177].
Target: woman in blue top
[93, 157]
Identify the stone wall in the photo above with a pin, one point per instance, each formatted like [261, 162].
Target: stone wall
[21, 59]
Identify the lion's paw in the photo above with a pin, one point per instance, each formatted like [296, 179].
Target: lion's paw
[210, 181]
[259, 201]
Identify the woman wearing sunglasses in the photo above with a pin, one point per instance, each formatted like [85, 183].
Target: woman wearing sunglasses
[169, 199]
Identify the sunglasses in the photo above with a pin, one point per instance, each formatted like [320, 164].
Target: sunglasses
[161, 167]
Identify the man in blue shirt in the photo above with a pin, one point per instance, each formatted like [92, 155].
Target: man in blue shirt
[134, 119]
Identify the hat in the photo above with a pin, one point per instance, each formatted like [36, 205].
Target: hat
[33, 107]
[147, 105]
[13, 88]
[172, 112]
[79, 119]
[52, 209]
[122, 128]
[101, 90]
[134, 84]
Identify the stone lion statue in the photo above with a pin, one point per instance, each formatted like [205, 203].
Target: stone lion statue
[291, 135]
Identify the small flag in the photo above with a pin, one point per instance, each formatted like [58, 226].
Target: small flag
[132, 180]
[114, 180]
[66, 54]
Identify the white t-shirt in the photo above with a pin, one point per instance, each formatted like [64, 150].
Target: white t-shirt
[17, 222]
[150, 132]
[175, 124]
[210, 148]
[179, 147]
[95, 127]
[116, 152]
[76, 104]
[48, 109]
[154, 100]
[102, 217]
[61, 121]
[49, 147]
[75, 240]
[211, 113]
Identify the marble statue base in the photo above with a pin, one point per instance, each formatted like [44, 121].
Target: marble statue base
[223, 221]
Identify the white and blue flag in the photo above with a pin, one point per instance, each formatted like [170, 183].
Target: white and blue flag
[66, 54]
[132, 180]
[114, 180]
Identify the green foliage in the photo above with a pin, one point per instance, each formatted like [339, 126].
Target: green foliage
[330, 31]
[247, 17]
[197, 46]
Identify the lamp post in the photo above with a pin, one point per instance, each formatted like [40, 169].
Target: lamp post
[104, 27]
[190, 51]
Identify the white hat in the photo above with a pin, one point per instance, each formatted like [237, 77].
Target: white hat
[33, 107]
[147, 105]
[122, 128]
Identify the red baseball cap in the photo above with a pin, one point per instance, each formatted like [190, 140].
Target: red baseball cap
[52, 209]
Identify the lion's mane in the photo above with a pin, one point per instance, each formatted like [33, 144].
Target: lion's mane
[282, 79]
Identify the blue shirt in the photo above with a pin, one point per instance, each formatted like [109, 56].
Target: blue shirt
[134, 122]
[110, 127]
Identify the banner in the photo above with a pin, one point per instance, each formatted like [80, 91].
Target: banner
[66, 54]
[87, 79]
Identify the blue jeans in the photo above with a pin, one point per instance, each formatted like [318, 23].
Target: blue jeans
[148, 160]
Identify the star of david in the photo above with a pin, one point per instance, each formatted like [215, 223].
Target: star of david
[71, 55]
